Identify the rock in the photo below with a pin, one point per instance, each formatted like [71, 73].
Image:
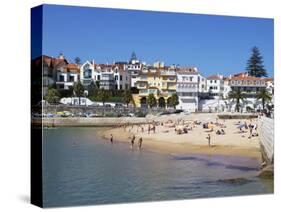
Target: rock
[267, 172]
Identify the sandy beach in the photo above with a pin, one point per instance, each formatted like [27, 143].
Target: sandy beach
[170, 135]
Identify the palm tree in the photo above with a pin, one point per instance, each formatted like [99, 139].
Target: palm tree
[237, 95]
[151, 101]
[174, 100]
[264, 95]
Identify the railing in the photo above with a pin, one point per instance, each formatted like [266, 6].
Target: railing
[266, 134]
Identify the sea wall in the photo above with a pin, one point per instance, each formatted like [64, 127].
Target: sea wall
[266, 134]
[89, 122]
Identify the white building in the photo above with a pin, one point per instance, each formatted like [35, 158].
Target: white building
[190, 85]
[66, 76]
[108, 76]
[133, 68]
[215, 86]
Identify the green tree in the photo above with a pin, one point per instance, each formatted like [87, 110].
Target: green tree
[151, 100]
[77, 60]
[174, 100]
[93, 90]
[127, 97]
[255, 64]
[78, 90]
[103, 95]
[237, 96]
[53, 96]
[264, 95]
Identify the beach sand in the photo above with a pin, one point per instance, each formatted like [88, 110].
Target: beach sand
[166, 140]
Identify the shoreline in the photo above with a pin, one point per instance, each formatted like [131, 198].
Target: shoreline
[167, 140]
[182, 148]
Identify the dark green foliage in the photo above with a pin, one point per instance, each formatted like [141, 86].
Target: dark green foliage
[52, 96]
[151, 100]
[264, 95]
[174, 100]
[255, 64]
[77, 60]
[127, 97]
[103, 95]
[237, 95]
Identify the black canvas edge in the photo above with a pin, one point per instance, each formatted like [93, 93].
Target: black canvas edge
[36, 189]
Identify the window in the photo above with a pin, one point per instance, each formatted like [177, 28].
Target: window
[120, 77]
[215, 81]
[61, 79]
[121, 87]
[190, 78]
[71, 78]
[211, 81]
[98, 77]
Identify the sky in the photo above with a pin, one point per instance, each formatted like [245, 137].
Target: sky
[213, 44]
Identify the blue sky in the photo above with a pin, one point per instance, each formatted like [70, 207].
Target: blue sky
[214, 44]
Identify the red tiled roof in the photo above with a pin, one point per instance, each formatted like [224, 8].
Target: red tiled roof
[213, 77]
[269, 79]
[245, 78]
[72, 67]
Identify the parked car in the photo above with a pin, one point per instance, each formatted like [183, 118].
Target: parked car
[118, 105]
[131, 115]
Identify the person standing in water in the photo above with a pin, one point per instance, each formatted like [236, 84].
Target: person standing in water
[133, 141]
[111, 138]
[209, 140]
[140, 143]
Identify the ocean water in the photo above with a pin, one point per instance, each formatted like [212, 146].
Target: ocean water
[81, 169]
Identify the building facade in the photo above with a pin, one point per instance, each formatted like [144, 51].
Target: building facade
[66, 76]
[159, 82]
[190, 85]
[107, 76]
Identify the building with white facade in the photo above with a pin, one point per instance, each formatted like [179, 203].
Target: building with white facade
[249, 85]
[190, 86]
[134, 67]
[66, 76]
[215, 86]
[108, 76]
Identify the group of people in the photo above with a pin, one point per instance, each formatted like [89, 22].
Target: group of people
[132, 141]
[251, 127]
[139, 142]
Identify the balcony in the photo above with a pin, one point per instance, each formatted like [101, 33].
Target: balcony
[168, 73]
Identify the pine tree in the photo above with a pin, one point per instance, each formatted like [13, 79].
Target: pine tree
[255, 64]
[133, 56]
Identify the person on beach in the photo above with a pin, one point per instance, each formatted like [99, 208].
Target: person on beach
[209, 140]
[153, 128]
[133, 141]
[149, 129]
[111, 138]
[140, 142]
[142, 129]
[251, 131]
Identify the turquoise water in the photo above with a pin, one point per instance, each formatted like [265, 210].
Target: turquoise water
[80, 169]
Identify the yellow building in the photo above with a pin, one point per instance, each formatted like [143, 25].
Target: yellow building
[161, 82]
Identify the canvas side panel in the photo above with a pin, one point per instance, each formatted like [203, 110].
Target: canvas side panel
[36, 107]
